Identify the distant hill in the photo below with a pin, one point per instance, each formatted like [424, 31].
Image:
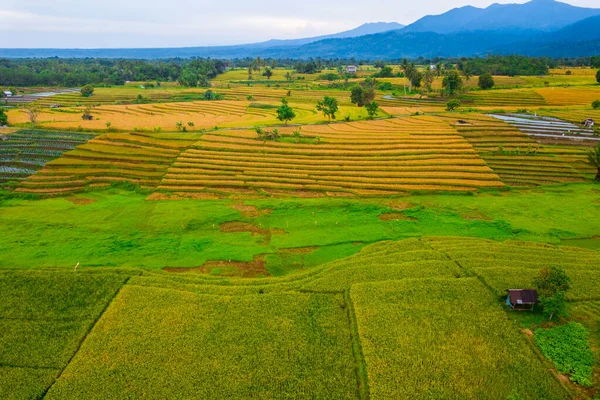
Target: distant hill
[365, 29]
[542, 15]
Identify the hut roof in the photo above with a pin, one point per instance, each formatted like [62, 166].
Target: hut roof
[523, 296]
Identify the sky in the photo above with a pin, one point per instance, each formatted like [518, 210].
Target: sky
[181, 23]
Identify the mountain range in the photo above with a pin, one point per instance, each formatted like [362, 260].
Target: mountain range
[537, 28]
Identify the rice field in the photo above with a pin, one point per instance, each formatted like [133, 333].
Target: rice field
[519, 160]
[24, 152]
[346, 329]
[412, 154]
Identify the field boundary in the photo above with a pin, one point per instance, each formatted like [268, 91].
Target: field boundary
[357, 351]
[92, 325]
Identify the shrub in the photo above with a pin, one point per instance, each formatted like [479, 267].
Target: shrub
[453, 105]
[568, 347]
[3, 117]
[596, 104]
[87, 90]
[486, 81]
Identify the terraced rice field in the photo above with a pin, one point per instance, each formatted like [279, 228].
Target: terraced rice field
[113, 157]
[390, 156]
[504, 98]
[518, 159]
[25, 152]
[565, 96]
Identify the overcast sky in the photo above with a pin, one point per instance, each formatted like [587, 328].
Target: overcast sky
[180, 23]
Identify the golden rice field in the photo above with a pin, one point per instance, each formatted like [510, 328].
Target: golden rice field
[166, 116]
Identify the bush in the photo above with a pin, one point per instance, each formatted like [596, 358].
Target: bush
[596, 104]
[3, 117]
[87, 90]
[486, 81]
[453, 105]
[568, 347]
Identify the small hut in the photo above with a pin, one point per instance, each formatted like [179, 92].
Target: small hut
[351, 69]
[522, 299]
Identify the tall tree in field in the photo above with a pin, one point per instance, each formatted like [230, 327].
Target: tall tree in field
[598, 76]
[356, 96]
[486, 81]
[372, 109]
[404, 67]
[328, 106]
[452, 83]
[285, 112]
[33, 111]
[428, 78]
[552, 285]
[594, 159]
[268, 73]
[467, 72]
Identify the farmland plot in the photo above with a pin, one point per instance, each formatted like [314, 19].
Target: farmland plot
[43, 318]
[360, 158]
[25, 152]
[186, 345]
[426, 339]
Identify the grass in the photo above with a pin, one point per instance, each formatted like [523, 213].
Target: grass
[446, 339]
[43, 319]
[191, 345]
[118, 228]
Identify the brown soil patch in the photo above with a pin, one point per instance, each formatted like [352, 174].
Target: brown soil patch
[563, 378]
[244, 227]
[293, 193]
[528, 332]
[340, 194]
[184, 196]
[396, 217]
[251, 211]
[242, 269]
[401, 205]
[476, 216]
[81, 201]
[299, 250]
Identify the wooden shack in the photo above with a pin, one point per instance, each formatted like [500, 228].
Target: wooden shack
[522, 299]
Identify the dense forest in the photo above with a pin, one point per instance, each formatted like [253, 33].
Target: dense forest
[197, 72]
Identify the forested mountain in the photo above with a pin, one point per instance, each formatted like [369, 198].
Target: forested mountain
[542, 15]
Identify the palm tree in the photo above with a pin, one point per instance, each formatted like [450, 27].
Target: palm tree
[404, 67]
[594, 158]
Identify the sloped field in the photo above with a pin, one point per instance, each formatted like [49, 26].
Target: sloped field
[361, 158]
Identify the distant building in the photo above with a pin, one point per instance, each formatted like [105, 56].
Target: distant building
[351, 69]
[7, 93]
[522, 299]
[433, 67]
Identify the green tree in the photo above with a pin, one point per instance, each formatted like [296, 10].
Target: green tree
[596, 104]
[453, 105]
[386, 72]
[268, 73]
[188, 79]
[552, 285]
[428, 78]
[486, 81]
[87, 90]
[416, 78]
[452, 83]
[594, 159]
[328, 106]
[372, 109]
[598, 76]
[285, 112]
[3, 117]
[356, 96]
